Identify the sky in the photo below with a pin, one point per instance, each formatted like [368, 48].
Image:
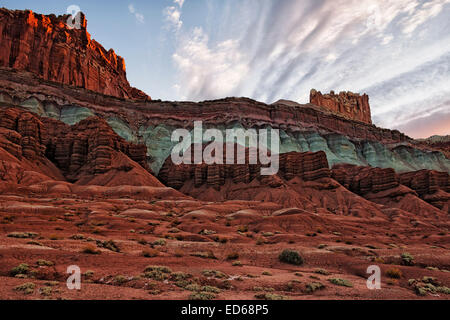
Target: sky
[396, 51]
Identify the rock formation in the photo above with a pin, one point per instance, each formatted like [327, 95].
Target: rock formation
[362, 180]
[47, 47]
[307, 166]
[383, 185]
[81, 152]
[348, 104]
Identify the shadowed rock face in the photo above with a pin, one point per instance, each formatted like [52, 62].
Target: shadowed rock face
[47, 47]
[89, 148]
[308, 166]
[351, 105]
[380, 184]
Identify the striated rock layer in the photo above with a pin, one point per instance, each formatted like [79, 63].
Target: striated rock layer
[380, 184]
[308, 166]
[47, 47]
[81, 152]
[351, 105]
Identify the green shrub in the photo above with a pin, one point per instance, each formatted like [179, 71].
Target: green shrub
[44, 263]
[26, 288]
[341, 282]
[159, 242]
[22, 268]
[407, 259]
[202, 296]
[214, 274]
[322, 272]
[291, 257]
[270, 296]
[162, 269]
[314, 286]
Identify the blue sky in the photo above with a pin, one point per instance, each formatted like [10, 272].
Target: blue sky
[397, 51]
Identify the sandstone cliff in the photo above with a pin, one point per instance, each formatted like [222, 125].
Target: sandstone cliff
[47, 47]
[348, 104]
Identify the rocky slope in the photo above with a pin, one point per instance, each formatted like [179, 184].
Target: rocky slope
[46, 46]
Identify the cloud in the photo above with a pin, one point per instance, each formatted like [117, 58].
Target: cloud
[207, 72]
[434, 124]
[425, 12]
[268, 50]
[173, 15]
[139, 17]
[179, 2]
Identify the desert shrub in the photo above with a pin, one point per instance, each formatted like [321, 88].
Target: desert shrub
[90, 250]
[204, 254]
[394, 273]
[142, 241]
[44, 263]
[46, 291]
[444, 290]
[162, 269]
[291, 257]
[193, 287]
[237, 263]
[322, 272]
[270, 296]
[341, 282]
[109, 244]
[207, 232]
[150, 253]
[78, 237]
[260, 241]
[23, 235]
[35, 243]
[214, 274]
[159, 242]
[202, 296]
[407, 259]
[22, 268]
[233, 256]
[26, 288]
[178, 276]
[210, 289]
[119, 280]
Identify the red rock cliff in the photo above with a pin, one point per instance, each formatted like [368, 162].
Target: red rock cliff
[352, 105]
[46, 46]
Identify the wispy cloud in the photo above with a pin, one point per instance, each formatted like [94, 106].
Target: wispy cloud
[139, 16]
[206, 69]
[173, 15]
[268, 50]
